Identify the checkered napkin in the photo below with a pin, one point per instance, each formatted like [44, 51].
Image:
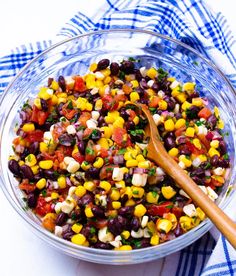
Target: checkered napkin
[193, 23]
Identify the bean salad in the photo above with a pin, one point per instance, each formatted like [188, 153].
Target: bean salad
[80, 155]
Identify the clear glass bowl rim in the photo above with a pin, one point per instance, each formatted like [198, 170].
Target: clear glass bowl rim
[73, 249]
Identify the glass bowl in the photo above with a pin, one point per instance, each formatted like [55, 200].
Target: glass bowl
[73, 56]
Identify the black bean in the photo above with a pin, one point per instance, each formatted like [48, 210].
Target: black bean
[44, 104]
[126, 211]
[138, 74]
[31, 200]
[124, 114]
[183, 149]
[170, 102]
[138, 137]
[222, 147]
[61, 219]
[92, 173]
[127, 178]
[214, 160]
[86, 231]
[62, 83]
[68, 235]
[181, 140]
[169, 142]
[67, 140]
[192, 112]
[223, 163]
[193, 95]
[59, 108]
[178, 230]
[96, 135]
[135, 224]
[123, 199]
[117, 225]
[98, 212]
[199, 172]
[86, 199]
[50, 80]
[143, 84]
[101, 121]
[114, 67]
[102, 245]
[144, 243]
[211, 121]
[81, 147]
[156, 86]
[26, 172]
[49, 174]
[25, 153]
[143, 101]
[130, 125]
[198, 180]
[103, 64]
[127, 66]
[34, 147]
[14, 167]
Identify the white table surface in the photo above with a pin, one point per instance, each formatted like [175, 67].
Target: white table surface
[22, 253]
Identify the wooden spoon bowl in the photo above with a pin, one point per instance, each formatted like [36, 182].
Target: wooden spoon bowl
[158, 154]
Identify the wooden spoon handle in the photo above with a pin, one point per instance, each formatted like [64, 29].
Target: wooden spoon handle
[159, 155]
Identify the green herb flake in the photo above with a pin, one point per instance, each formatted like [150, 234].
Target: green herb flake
[122, 75]
[152, 172]
[109, 169]
[70, 105]
[136, 192]
[207, 166]
[198, 123]
[89, 151]
[44, 193]
[93, 230]
[161, 74]
[145, 152]
[122, 151]
[154, 193]
[226, 156]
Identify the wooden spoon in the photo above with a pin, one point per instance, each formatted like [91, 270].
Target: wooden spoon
[158, 154]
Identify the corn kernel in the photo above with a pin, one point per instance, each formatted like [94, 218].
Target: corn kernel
[30, 160]
[89, 186]
[130, 202]
[200, 213]
[190, 131]
[78, 239]
[43, 94]
[21, 163]
[186, 105]
[215, 144]
[169, 125]
[88, 107]
[106, 72]
[77, 227]
[181, 97]
[105, 185]
[85, 165]
[213, 151]
[115, 194]
[61, 180]
[151, 73]
[168, 192]
[107, 80]
[43, 147]
[46, 164]
[54, 100]
[138, 192]
[134, 83]
[28, 127]
[98, 163]
[54, 85]
[186, 223]
[180, 123]
[81, 103]
[125, 234]
[139, 210]
[128, 155]
[93, 67]
[103, 143]
[134, 96]
[116, 205]
[88, 212]
[35, 169]
[144, 164]
[107, 131]
[189, 86]
[164, 225]
[173, 152]
[37, 103]
[124, 248]
[80, 191]
[197, 102]
[197, 143]
[187, 162]
[98, 104]
[154, 240]
[152, 197]
[162, 105]
[119, 122]
[41, 183]
[140, 158]
[131, 163]
[175, 92]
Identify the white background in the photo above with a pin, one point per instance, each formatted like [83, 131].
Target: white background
[23, 21]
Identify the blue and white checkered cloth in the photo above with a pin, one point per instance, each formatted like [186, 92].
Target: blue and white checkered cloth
[191, 22]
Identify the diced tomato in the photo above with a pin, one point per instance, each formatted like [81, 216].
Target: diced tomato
[109, 103]
[84, 117]
[26, 186]
[43, 207]
[131, 113]
[100, 223]
[204, 141]
[49, 222]
[69, 113]
[90, 152]
[120, 136]
[179, 131]
[215, 183]
[66, 151]
[87, 133]
[103, 153]
[60, 155]
[106, 172]
[177, 211]
[126, 88]
[159, 210]
[42, 117]
[193, 149]
[48, 156]
[34, 115]
[78, 157]
[154, 101]
[204, 113]
[34, 136]
[57, 131]
[79, 84]
[120, 97]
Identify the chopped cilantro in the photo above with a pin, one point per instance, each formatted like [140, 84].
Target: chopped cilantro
[93, 230]
[109, 169]
[145, 152]
[121, 151]
[56, 173]
[136, 132]
[152, 171]
[161, 74]
[137, 243]
[122, 75]
[207, 166]
[195, 63]
[89, 151]
[70, 105]
[131, 59]
[154, 193]
[136, 192]
[226, 156]
[26, 105]
[199, 123]
[44, 193]
[73, 216]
